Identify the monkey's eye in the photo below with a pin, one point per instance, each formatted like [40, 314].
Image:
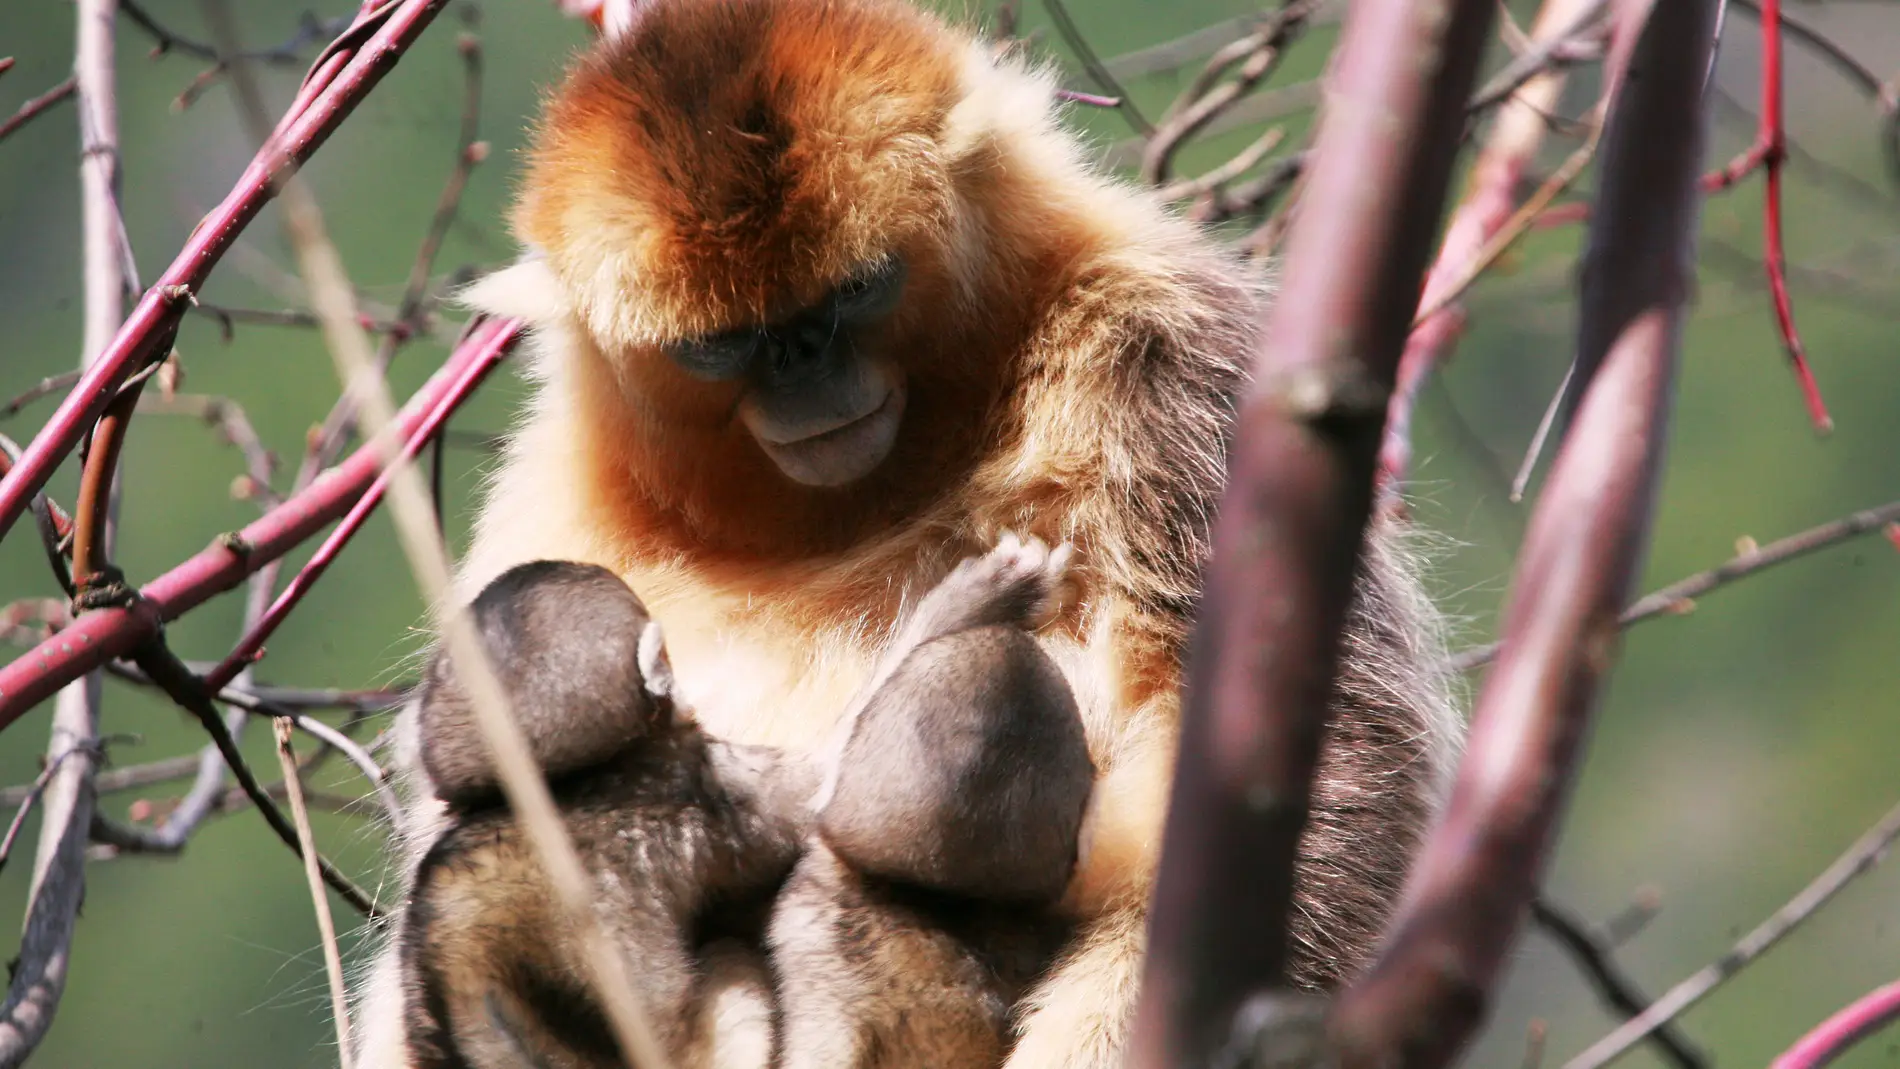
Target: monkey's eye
[872, 293]
[716, 357]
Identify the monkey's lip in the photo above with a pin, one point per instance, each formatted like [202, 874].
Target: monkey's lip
[844, 453]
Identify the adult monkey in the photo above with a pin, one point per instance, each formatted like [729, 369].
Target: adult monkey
[824, 300]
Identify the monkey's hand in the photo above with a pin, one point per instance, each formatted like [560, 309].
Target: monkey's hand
[1020, 582]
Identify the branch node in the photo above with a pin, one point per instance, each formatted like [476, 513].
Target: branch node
[1335, 392]
[235, 543]
[105, 588]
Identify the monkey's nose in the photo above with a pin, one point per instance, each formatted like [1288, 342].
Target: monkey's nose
[799, 358]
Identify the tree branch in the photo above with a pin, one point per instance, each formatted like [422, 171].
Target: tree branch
[110, 633]
[344, 73]
[1859, 858]
[1477, 874]
[1291, 524]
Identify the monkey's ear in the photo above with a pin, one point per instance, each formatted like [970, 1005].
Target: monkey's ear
[526, 290]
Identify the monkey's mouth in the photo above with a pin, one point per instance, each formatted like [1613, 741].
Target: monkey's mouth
[842, 454]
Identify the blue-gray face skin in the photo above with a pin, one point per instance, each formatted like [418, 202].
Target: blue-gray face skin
[823, 407]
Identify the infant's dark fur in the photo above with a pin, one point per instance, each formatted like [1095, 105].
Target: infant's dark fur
[891, 921]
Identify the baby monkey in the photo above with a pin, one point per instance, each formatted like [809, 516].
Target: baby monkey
[880, 905]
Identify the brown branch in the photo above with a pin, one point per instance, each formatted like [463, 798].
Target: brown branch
[1595, 959]
[1257, 55]
[36, 107]
[1477, 874]
[164, 668]
[1679, 597]
[1859, 859]
[1291, 523]
[111, 780]
[49, 385]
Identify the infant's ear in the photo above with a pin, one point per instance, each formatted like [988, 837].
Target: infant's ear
[655, 669]
[526, 290]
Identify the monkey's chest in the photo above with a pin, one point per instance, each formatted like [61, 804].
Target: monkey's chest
[759, 686]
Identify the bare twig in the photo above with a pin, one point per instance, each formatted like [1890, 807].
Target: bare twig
[36, 107]
[1207, 96]
[29, 795]
[326, 928]
[175, 679]
[38, 975]
[1106, 82]
[260, 465]
[1594, 958]
[48, 385]
[1558, 26]
[309, 31]
[116, 779]
[1486, 223]
[1679, 597]
[1835, 1036]
[1477, 874]
[1859, 858]
[1291, 523]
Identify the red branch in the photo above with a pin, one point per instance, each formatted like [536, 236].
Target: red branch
[1832, 1037]
[1292, 522]
[98, 637]
[343, 75]
[1477, 875]
[251, 646]
[1773, 145]
[1768, 154]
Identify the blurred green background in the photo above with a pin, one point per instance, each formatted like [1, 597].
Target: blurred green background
[1740, 748]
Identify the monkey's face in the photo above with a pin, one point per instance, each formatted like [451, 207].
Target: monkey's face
[819, 392]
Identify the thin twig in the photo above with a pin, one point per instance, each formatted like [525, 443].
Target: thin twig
[1859, 858]
[36, 107]
[1485, 224]
[175, 679]
[111, 780]
[1679, 597]
[1581, 21]
[48, 385]
[1617, 990]
[1207, 97]
[1106, 82]
[29, 795]
[326, 928]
